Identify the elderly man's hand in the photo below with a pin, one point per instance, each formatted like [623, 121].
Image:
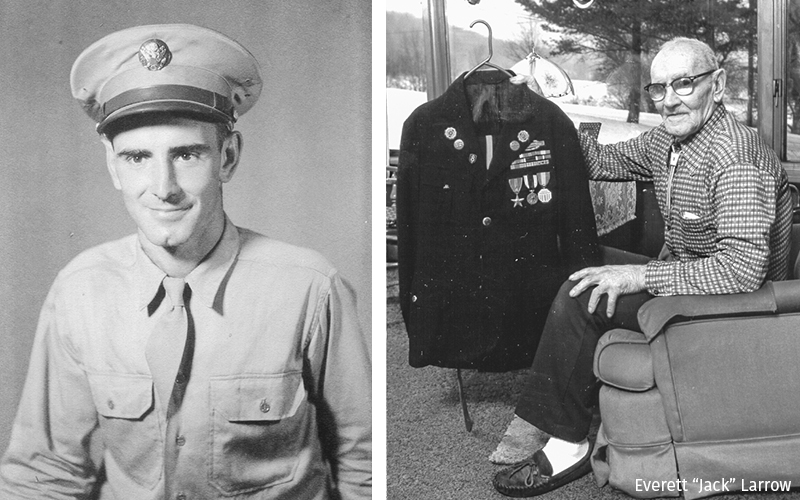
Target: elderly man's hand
[611, 280]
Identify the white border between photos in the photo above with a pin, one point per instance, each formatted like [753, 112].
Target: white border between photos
[379, 161]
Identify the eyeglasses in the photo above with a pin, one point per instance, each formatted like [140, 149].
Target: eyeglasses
[682, 86]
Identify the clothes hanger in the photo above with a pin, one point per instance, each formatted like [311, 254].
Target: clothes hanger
[486, 62]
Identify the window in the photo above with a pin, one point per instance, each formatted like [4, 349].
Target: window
[792, 57]
[793, 81]
[606, 49]
[780, 99]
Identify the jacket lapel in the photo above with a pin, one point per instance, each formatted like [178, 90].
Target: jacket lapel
[517, 129]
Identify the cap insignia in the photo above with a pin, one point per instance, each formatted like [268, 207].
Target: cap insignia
[154, 54]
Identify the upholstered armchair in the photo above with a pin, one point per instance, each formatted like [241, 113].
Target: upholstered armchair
[707, 400]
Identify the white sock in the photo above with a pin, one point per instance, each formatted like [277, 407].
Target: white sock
[563, 454]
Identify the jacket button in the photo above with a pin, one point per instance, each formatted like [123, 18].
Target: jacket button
[110, 404]
[487, 221]
[413, 298]
[180, 496]
[264, 406]
[180, 440]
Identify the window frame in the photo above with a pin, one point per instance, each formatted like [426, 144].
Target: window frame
[772, 79]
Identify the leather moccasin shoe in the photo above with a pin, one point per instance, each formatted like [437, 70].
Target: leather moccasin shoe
[534, 476]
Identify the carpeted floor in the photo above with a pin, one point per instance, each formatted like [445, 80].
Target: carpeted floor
[430, 456]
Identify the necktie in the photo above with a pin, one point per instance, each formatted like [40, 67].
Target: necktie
[169, 348]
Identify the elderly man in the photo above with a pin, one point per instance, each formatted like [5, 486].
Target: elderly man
[212, 361]
[725, 201]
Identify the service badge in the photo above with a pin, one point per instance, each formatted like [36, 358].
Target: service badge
[154, 54]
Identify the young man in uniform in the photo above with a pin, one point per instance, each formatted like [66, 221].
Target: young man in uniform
[209, 360]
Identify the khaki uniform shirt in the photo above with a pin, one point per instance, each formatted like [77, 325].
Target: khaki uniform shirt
[277, 405]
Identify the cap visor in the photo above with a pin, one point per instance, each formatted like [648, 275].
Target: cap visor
[179, 108]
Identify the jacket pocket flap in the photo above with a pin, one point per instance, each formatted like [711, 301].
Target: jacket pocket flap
[258, 397]
[122, 395]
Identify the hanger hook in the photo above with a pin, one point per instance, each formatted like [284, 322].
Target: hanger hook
[490, 36]
[584, 5]
[486, 61]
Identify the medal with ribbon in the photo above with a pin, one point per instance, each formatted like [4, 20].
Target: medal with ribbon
[516, 184]
[545, 194]
[531, 182]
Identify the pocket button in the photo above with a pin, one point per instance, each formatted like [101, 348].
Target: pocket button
[264, 406]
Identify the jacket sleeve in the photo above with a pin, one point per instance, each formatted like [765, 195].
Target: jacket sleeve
[48, 456]
[576, 228]
[407, 185]
[341, 368]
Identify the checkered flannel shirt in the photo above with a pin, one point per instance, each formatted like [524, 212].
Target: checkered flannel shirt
[728, 222]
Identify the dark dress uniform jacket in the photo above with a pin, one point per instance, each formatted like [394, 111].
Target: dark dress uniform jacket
[483, 251]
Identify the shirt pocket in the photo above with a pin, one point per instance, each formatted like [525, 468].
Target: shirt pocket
[128, 424]
[259, 425]
[699, 231]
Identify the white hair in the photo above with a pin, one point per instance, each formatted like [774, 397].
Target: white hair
[700, 52]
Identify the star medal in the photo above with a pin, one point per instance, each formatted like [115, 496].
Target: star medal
[531, 198]
[545, 194]
[516, 185]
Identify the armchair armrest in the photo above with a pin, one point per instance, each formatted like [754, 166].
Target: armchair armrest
[772, 298]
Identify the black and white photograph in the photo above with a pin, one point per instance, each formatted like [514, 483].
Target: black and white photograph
[404, 249]
[592, 249]
[162, 340]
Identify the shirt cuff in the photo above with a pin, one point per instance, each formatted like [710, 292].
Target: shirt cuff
[657, 278]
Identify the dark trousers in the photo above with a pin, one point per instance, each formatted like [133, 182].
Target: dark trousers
[562, 388]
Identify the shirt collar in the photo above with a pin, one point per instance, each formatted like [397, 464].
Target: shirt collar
[700, 143]
[204, 280]
[707, 129]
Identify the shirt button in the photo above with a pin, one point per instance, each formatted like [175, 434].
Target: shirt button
[180, 440]
[264, 406]
[487, 221]
[110, 404]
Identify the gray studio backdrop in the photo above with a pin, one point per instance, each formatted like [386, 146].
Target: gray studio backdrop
[304, 175]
